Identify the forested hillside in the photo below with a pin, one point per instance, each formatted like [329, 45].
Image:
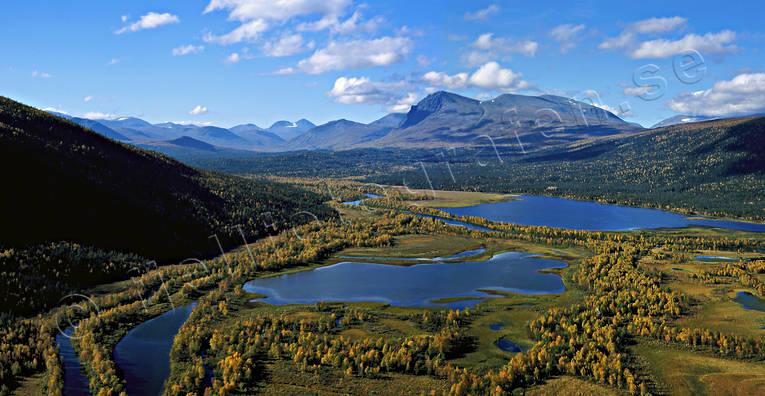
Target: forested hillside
[62, 182]
[713, 167]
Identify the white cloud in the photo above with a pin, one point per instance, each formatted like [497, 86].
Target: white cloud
[198, 110]
[353, 90]
[567, 35]
[285, 71]
[249, 31]
[483, 96]
[744, 94]
[149, 21]
[637, 91]
[54, 109]
[256, 15]
[96, 115]
[114, 61]
[474, 58]
[37, 73]
[233, 58]
[710, 43]
[356, 90]
[87, 99]
[281, 10]
[356, 54]
[658, 25]
[627, 40]
[493, 76]
[124, 18]
[441, 79]
[489, 76]
[487, 42]
[606, 107]
[482, 13]
[288, 44]
[353, 24]
[404, 104]
[187, 49]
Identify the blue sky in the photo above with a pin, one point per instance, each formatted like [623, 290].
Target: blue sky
[226, 62]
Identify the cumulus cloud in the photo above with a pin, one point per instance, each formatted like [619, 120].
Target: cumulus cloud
[149, 21]
[198, 110]
[487, 42]
[113, 61]
[658, 25]
[441, 79]
[356, 54]
[744, 94]
[353, 90]
[625, 39]
[87, 99]
[567, 35]
[288, 44]
[487, 47]
[249, 32]
[710, 43]
[356, 90]
[404, 104]
[482, 13]
[246, 10]
[233, 58]
[187, 49]
[628, 40]
[493, 76]
[354, 24]
[489, 76]
[255, 15]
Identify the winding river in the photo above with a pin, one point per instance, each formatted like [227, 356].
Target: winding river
[75, 382]
[143, 354]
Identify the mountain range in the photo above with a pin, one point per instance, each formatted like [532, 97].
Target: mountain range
[442, 119]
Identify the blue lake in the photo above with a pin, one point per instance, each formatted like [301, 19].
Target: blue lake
[591, 216]
[750, 301]
[464, 254]
[415, 285]
[75, 382]
[143, 354]
[508, 346]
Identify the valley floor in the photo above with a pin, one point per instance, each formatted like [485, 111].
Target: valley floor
[641, 314]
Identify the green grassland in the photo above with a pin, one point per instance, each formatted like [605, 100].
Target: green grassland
[680, 372]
